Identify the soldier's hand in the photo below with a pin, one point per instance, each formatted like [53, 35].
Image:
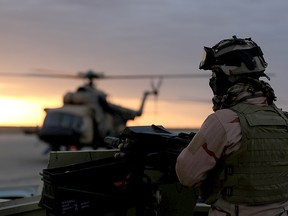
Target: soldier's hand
[123, 149]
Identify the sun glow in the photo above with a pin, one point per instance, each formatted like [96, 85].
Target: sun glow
[21, 111]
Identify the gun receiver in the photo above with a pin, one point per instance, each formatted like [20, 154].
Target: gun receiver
[155, 145]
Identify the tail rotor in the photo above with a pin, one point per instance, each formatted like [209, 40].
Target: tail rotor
[155, 91]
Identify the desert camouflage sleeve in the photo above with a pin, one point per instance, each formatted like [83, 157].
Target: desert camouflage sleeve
[220, 134]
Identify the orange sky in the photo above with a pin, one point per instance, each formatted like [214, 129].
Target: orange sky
[29, 111]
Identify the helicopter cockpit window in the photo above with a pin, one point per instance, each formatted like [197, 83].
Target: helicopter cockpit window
[63, 120]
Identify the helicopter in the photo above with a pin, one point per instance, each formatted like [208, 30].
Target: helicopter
[86, 116]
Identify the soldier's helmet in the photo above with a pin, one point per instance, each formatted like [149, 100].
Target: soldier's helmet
[234, 57]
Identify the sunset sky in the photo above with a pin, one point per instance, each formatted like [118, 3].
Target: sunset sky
[130, 37]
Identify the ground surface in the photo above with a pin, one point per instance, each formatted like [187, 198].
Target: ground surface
[21, 160]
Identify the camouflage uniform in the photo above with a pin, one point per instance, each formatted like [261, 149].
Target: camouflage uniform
[220, 135]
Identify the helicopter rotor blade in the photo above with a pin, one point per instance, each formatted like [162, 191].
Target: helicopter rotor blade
[91, 75]
[156, 76]
[38, 75]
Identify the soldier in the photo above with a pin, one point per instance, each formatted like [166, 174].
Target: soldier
[239, 156]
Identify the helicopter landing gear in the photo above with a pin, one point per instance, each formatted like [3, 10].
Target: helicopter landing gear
[61, 148]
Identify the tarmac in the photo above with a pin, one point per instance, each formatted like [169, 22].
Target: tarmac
[21, 160]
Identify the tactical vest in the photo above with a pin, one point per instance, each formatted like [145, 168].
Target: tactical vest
[257, 173]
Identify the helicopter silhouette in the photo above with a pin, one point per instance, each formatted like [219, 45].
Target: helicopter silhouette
[86, 116]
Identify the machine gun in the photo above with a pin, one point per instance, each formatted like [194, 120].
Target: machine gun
[152, 146]
[136, 183]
